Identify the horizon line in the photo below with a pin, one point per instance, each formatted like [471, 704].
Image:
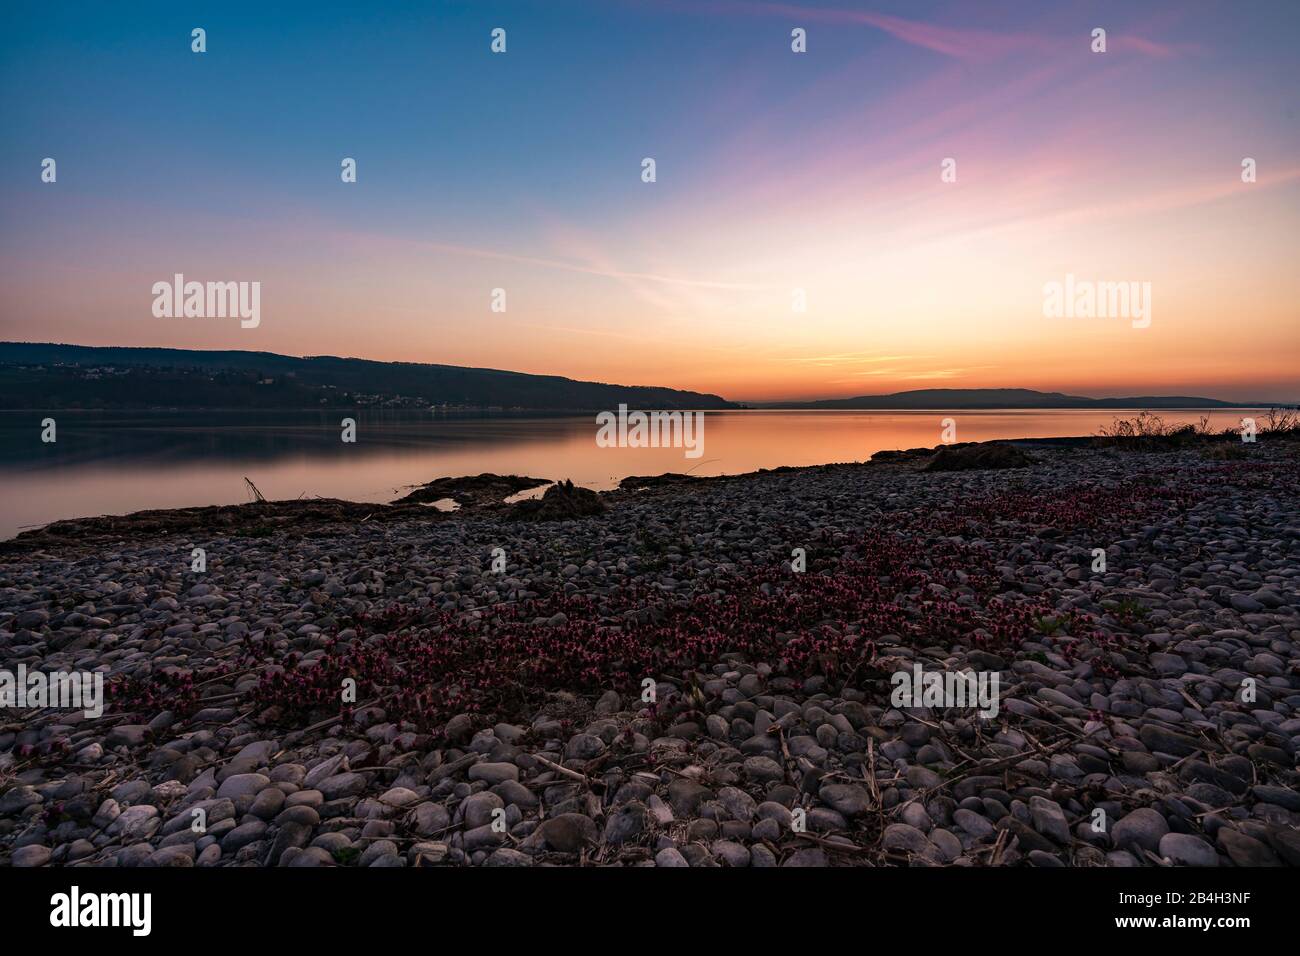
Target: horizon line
[773, 404]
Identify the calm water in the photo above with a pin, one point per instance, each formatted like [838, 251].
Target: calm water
[114, 463]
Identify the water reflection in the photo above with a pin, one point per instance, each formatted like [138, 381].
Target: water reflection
[113, 463]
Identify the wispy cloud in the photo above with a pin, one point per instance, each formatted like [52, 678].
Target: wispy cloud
[608, 273]
[942, 373]
[970, 44]
[855, 358]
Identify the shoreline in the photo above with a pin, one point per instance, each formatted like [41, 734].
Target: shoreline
[252, 516]
[313, 514]
[522, 690]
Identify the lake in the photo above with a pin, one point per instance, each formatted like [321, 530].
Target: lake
[118, 462]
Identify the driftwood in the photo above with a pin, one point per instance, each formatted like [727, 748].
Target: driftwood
[572, 774]
[257, 495]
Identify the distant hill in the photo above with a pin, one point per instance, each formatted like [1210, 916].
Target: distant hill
[38, 375]
[49, 376]
[958, 398]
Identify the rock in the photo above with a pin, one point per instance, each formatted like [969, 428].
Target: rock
[290, 836]
[31, 855]
[685, 797]
[493, 773]
[847, 798]
[730, 853]
[32, 619]
[242, 835]
[974, 824]
[136, 823]
[1183, 849]
[1042, 858]
[428, 854]
[342, 785]
[508, 857]
[312, 856]
[1160, 740]
[738, 804]
[984, 455]
[1245, 604]
[377, 850]
[180, 855]
[302, 814]
[209, 856]
[625, 823]
[1244, 850]
[584, 747]
[806, 858]
[1286, 841]
[914, 815]
[14, 801]
[478, 808]
[483, 837]
[900, 836]
[947, 844]
[267, 803]
[399, 797]
[568, 832]
[459, 729]
[670, 856]
[324, 770]
[429, 818]
[763, 769]
[1049, 819]
[1168, 665]
[243, 784]
[562, 501]
[127, 735]
[1143, 827]
[1279, 796]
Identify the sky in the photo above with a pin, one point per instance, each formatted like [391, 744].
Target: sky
[782, 180]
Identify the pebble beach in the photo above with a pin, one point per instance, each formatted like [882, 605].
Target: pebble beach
[680, 673]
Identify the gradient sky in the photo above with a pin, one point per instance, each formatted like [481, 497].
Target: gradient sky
[776, 171]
